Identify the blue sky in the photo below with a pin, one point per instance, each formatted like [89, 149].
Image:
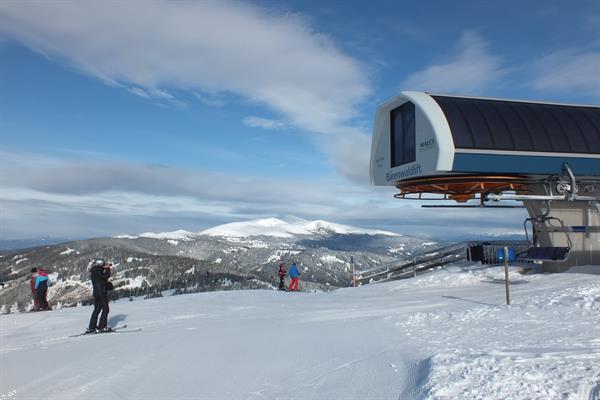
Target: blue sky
[160, 115]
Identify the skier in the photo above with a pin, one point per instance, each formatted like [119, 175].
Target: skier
[295, 276]
[42, 283]
[100, 272]
[34, 275]
[281, 273]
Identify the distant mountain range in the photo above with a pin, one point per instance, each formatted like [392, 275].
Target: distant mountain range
[240, 255]
[491, 236]
[14, 244]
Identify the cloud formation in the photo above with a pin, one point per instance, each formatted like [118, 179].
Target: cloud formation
[471, 71]
[276, 60]
[265, 123]
[351, 153]
[205, 48]
[210, 99]
[47, 196]
[90, 177]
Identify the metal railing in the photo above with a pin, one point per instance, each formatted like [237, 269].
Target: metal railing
[436, 258]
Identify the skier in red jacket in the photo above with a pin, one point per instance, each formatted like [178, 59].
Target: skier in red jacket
[281, 273]
[295, 278]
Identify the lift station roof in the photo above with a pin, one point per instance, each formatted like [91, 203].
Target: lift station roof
[417, 134]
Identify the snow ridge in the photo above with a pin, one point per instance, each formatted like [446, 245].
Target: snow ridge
[175, 235]
[280, 228]
[264, 227]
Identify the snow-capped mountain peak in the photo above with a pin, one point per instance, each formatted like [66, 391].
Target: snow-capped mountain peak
[258, 227]
[321, 226]
[274, 227]
[280, 228]
[175, 235]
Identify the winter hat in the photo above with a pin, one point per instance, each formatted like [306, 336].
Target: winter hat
[99, 262]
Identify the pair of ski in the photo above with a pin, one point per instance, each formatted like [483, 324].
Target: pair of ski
[116, 329]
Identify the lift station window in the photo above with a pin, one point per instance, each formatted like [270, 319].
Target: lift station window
[403, 141]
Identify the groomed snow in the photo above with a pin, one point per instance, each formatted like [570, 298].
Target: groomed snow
[279, 228]
[444, 335]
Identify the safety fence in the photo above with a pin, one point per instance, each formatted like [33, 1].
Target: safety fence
[486, 252]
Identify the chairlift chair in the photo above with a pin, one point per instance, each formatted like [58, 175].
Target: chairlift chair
[544, 253]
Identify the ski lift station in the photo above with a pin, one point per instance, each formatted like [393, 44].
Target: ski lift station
[481, 152]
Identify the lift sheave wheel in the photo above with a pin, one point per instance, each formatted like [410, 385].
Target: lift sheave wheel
[462, 188]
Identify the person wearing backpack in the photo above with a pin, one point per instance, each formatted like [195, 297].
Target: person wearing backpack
[282, 272]
[100, 272]
[42, 283]
[295, 278]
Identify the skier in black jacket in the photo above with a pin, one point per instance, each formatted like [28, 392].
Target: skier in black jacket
[100, 272]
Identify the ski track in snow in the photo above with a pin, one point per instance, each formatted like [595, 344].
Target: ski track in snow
[445, 335]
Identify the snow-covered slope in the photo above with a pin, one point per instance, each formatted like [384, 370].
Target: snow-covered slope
[279, 228]
[446, 335]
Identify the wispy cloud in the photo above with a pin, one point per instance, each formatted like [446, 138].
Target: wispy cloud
[277, 60]
[572, 70]
[265, 123]
[569, 70]
[210, 99]
[139, 92]
[471, 71]
[94, 177]
[158, 96]
[350, 152]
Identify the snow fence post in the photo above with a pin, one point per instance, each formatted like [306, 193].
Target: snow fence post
[506, 275]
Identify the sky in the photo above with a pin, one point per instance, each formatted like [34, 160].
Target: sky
[127, 117]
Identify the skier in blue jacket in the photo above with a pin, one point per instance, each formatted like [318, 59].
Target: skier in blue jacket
[295, 277]
[41, 288]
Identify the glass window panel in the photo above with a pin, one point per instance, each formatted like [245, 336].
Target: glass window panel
[403, 132]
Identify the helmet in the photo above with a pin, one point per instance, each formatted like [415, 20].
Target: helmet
[98, 262]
